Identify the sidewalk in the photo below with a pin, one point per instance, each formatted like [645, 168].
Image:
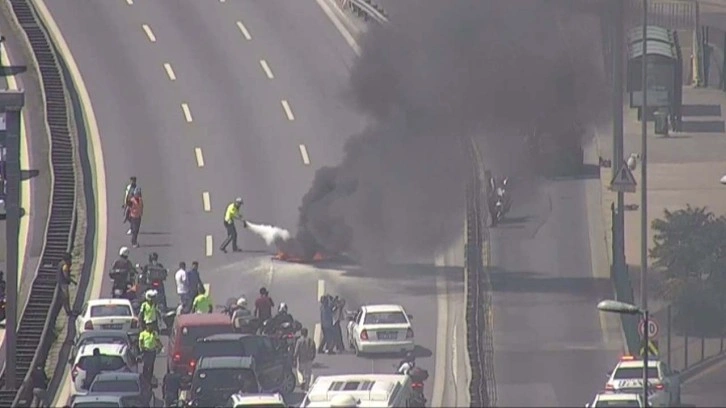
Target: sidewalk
[684, 168]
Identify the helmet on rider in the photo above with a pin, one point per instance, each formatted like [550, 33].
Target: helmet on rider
[238, 201]
[282, 308]
[123, 252]
[150, 294]
[153, 257]
[242, 302]
[409, 357]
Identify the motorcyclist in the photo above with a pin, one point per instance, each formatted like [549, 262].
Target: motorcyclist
[153, 272]
[149, 312]
[122, 272]
[407, 364]
[279, 319]
[242, 317]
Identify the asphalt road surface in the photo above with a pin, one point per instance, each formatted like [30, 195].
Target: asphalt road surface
[706, 389]
[548, 344]
[261, 128]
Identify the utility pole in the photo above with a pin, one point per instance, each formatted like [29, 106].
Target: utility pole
[644, 195]
[11, 102]
[617, 106]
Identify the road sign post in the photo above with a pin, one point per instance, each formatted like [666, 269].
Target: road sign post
[653, 328]
[624, 181]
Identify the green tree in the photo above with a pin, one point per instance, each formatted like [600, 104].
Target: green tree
[689, 250]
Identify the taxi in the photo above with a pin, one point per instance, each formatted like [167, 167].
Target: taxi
[607, 400]
[664, 385]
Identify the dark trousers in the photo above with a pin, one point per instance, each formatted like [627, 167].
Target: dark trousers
[338, 337]
[327, 343]
[231, 236]
[135, 227]
[186, 301]
[65, 298]
[148, 358]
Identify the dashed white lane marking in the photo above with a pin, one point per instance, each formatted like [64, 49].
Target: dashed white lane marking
[199, 156]
[130, 2]
[187, 112]
[206, 201]
[149, 33]
[244, 31]
[266, 68]
[169, 71]
[304, 154]
[288, 110]
[209, 245]
[318, 332]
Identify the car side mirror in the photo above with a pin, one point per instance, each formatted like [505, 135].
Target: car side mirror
[609, 373]
[587, 405]
[410, 317]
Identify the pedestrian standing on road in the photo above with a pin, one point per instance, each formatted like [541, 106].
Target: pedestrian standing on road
[149, 344]
[263, 306]
[39, 382]
[182, 287]
[136, 211]
[128, 193]
[233, 213]
[338, 318]
[64, 281]
[303, 356]
[194, 281]
[326, 324]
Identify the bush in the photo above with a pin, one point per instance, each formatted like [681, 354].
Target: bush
[690, 253]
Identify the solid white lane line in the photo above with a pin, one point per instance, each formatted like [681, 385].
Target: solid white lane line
[187, 112]
[207, 202]
[340, 26]
[209, 245]
[244, 31]
[304, 154]
[288, 111]
[199, 156]
[267, 69]
[169, 71]
[149, 33]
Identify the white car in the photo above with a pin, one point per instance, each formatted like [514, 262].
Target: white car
[664, 386]
[625, 400]
[380, 329]
[114, 357]
[106, 314]
[256, 400]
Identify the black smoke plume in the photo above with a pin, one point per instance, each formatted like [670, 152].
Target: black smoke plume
[441, 72]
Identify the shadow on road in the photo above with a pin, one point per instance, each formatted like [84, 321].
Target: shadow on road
[534, 282]
[701, 110]
[706, 126]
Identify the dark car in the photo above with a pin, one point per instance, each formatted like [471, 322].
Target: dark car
[217, 378]
[99, 337]
[124, 385]
[273, 364]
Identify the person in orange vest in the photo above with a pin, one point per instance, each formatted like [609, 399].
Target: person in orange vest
[136, 211]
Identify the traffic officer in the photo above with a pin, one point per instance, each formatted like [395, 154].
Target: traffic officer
[202, 302]
[149, 312]
[232, 213]
[149, 344]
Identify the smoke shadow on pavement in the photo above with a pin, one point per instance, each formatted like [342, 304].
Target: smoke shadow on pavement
[536, 282]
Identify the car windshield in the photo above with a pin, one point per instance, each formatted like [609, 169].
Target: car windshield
[385, 318]
[634, 373]
[107, 363]
[96, 404]
[623, 404]
[103, 340]
[115, 386]
[226, 379]
[110, 310]
[190, 335]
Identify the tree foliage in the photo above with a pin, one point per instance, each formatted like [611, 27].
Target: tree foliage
[689, 251]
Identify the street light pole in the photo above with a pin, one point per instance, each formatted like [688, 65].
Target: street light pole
[644, 199]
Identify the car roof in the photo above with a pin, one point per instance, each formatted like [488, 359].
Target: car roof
[637, 364]
[103, 302]
[97, 398]
[258, 398]
[206, 363]
[88, 334]
[225, 337]
[382, 308]
[203, 319]
[107, 349]
[118, 376]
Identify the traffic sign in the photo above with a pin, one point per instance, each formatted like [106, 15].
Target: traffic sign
[653, 328]
[624, 181]
[652, 349]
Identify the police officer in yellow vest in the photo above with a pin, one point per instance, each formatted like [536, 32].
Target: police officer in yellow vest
[202, 303]
[232, 213]
[149, 312]
[149, 344]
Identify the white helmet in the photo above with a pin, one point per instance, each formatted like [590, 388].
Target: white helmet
[124, 251]
[282, 307]
[242, 302]
[150, 294]
[238, 200]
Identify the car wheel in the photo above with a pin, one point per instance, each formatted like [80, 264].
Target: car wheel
[288, 383]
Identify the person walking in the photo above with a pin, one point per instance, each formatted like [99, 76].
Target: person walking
[338, 318]
[65, 279]
[149, 344]
[230, 215]
[136, 211]
[128, 193]
[263, 306]
[194, 281]
[326, 324]
[303, 356]
[39, 383]
[182, 287]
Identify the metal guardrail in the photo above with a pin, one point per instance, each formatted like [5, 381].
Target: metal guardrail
[37, 323]
[366, 9]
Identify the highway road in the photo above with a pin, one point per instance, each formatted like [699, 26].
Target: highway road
[549, 346]
[206, 101]
[706, 388]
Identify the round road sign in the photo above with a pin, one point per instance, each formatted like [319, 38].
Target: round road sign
[652, 328]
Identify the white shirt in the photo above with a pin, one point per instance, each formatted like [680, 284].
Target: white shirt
[181, 282]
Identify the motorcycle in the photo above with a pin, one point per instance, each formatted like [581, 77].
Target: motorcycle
[417, 376]
[154, 279]
[286, 333]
